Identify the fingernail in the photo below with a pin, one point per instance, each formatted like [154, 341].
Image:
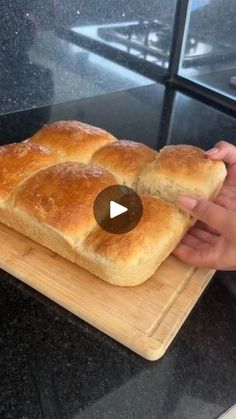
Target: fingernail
[212, 151]
[187, 202]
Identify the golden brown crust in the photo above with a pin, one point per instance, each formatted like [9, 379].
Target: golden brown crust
[72, 140]
[182, 169]
[185, 162]
[52, 201]
[130, 258]
[62, 196]
[158, 218]
[125, 159]
[18, 161]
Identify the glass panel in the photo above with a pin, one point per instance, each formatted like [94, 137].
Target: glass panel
[133, 30]
[187, 125]
[54, 51]
[209, 55]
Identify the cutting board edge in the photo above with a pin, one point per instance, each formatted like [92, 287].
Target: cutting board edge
[144, 345]
[147, 346]
[151, 346]
[181, 320]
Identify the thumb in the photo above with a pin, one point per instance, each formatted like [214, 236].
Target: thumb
[221, 219]
[227, 153]
[223, 151]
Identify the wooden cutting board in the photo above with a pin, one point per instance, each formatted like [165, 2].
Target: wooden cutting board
[145, 318]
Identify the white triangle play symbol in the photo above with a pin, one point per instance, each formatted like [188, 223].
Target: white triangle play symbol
[116, 209]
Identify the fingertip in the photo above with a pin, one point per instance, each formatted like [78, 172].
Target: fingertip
[187, 202]
[222, 144]
[226, 152]
[180, 250]
[216, 153]
[212, 151]
[188, 255]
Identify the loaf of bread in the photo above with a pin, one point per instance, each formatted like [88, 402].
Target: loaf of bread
[48, 185]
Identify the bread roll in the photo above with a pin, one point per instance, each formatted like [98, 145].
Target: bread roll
[62, 197]
[17, 162]
[182, 169]
[131, 258]
[47, 193]
[72, 140]
[125, 159]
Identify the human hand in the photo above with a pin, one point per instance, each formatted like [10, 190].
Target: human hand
[211, 242]
[227, 153]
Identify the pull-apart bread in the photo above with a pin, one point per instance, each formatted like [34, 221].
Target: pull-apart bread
[48, 185]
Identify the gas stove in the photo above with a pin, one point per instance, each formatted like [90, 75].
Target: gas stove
[145, 45]
[149, 38]
[152, 40]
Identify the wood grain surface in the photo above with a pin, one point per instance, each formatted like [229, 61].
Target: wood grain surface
[145, 318]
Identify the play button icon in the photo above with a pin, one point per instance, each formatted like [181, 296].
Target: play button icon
[118, 209]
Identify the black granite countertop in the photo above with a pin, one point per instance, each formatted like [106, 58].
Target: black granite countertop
[53, 365]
